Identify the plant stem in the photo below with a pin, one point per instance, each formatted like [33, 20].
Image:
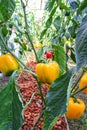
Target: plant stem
[27, 103]
[78, 91]
[29, 38]
[25, 56]
[27, 30]
[40, 88]
[76, 79]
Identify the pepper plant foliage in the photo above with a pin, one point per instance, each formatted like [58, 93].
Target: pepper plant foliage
[7, 8]
[56, 100]
[81, 44]
[64, 21]
[10, 107]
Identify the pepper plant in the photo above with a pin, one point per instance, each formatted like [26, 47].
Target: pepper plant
[66, 20]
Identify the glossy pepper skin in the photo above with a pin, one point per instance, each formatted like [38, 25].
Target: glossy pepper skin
[49, 55]
[47, 73]
[8, 64]
[83, 82]
[75, 109]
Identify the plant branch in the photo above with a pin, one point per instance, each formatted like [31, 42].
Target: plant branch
[26, 2]
[27, 103]
[76, 79]
[74, 93]
[40, 88]
[27, 30]
[25, 56]
[29, 38]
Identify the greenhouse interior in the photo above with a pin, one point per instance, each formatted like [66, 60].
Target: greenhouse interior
[43, 64]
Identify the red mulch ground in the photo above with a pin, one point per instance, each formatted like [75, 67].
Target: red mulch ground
[28, 87]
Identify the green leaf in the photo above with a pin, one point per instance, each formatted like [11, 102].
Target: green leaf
[40, 53]
[4, 31]
[49, 20]
[67, 12]
[81, 45]
[67, 34]
[83, 5]
[43, 33]
[10, 107]
[57, 100]
[49, 5]
[74, 4]
[63, 6]
[60, 57]
[6, 9]
[57, 22]
[73, 29]
[1, 39]
[73, 55]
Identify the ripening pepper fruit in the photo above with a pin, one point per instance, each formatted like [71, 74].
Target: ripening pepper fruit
[49, 54]
[8, 64]
[75, 108]
[38, 45]
[68, 42]
[47, 73]
[83, 82]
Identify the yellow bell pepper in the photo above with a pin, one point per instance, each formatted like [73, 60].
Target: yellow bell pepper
[68, 42]
[83, 82]
[8, 64]
[38, 45]
[47, 73]
[75, 109]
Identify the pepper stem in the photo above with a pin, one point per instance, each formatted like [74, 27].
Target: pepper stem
[76, 92]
